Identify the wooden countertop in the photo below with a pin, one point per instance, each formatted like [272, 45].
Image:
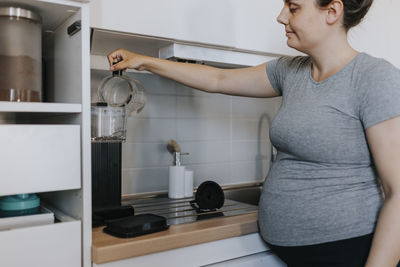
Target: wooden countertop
[106, 248]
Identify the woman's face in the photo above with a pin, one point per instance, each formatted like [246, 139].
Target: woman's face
[305, 24]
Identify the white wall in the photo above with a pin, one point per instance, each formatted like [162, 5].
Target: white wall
[379, 34]
[227, 137]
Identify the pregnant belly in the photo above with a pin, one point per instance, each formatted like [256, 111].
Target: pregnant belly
[292, 218]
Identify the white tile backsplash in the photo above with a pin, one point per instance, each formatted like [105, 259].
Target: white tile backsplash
[144, 155]
[254, 108]
[247, 171]
[144, 180]
[159, 106]
[211, 106]
[217, 172]
[202, 129]
[142, 130]
[206, 152]
[227, 137]
[250, 150]
[155, 85]
[250, 129]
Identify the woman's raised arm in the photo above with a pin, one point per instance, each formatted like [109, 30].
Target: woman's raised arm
[251, 81]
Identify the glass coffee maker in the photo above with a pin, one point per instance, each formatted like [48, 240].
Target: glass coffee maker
[119, 97]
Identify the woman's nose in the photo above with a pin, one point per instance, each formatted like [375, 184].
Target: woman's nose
[283, 16]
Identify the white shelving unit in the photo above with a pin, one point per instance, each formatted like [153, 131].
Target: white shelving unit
[45, 147]
[25, 107]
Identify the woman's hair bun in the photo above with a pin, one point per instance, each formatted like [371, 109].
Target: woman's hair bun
[354, 11]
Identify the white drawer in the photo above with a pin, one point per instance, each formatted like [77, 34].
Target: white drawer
[51, 245]
[261, 259]
[39, 158]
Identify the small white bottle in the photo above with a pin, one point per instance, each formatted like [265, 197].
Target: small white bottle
[188, 183]
[176, 185]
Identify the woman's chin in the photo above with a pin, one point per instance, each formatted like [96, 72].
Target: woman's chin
[291, 44]
[294, 45]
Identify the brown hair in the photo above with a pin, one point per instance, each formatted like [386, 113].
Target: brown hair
[354, 11]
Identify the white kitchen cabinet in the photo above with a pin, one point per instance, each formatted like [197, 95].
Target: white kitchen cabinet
[46, 153]
[198, 21]
[207, 254]
[237, 24]
[256, 27]
[48, 245]
[45, 147]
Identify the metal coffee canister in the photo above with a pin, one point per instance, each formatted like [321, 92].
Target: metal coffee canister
[20, 55]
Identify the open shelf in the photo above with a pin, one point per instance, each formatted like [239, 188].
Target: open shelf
[50, 142]
[53, 13]
[28, 107]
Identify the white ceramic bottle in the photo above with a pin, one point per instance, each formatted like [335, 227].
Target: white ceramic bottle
[176, 185]
[188, 183]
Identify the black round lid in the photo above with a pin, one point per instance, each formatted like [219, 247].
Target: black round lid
[210, 196]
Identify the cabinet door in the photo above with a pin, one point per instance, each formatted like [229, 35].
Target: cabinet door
[206, 21]
[57, 244]
[39, 158]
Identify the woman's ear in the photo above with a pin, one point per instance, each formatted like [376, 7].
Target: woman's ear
[335, 11]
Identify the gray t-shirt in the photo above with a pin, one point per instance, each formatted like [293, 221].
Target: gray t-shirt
[323, 185]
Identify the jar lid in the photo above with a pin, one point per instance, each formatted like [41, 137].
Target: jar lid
[19, 12]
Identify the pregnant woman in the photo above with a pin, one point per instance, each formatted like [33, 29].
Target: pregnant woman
[332, 196]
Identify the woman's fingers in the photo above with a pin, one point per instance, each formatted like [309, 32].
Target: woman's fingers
[122, 59]
[116, 56]
[123, 65]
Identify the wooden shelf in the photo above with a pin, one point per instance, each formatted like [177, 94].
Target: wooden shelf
[25, 107]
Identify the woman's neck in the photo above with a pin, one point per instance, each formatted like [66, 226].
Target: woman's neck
[331, 58]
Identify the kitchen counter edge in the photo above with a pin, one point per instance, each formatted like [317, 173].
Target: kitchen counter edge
[106, 248]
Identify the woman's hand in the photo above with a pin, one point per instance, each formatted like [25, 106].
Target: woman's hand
[122, 59]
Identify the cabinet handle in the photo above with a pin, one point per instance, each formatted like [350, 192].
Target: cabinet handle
[74, 28]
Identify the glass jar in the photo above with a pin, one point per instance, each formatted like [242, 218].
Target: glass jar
[20, 55]
[108, 123]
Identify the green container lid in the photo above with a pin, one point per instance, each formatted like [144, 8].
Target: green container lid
[19, 202]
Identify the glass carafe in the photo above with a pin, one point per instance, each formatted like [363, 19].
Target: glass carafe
[119, 90]
[120, 96]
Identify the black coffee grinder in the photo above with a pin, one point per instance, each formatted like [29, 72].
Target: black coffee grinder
[120, 96]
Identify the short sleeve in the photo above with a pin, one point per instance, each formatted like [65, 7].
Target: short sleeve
[379, 94]
[278, 69]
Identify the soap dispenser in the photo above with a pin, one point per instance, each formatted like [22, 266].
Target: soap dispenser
[176, 186]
